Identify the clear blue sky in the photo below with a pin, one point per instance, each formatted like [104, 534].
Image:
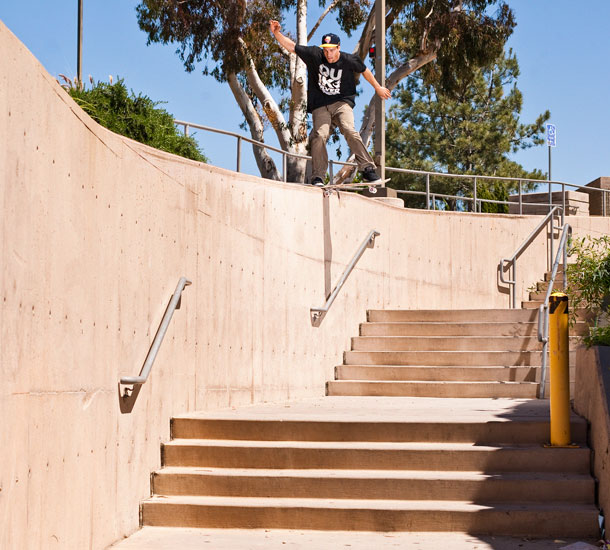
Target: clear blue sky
[562, 47]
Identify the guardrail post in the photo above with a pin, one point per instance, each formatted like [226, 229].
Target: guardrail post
[520, 197]
[474, 194]
[331, 175]
[560, 370]
[239, 153]
[427, 191]
[285, 167]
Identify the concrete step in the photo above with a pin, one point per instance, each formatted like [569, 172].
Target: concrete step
[538, 294]
[447, 426]
[373, 455]
[542, 286]
[513, 390]
[445, 343]
[169, 538]
[549, 519]
[443, 358]
[448, 329]
[437, 374]
[375, 484]
[452, 315]
[558, 277]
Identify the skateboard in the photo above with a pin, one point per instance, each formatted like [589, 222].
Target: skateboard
[336, 187]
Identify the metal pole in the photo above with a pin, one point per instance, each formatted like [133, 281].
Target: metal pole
[380, 13]
[79, 44]
[552, 243]
[285, 167]
[239, 153]
[515, 283]
[560, 372]
[474, 195]
[563, 203]
[331, 175]
[186, 130]
[427, 191]
[520, 197]
[550, 191]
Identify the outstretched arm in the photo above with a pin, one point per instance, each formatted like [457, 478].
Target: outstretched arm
[382, 92]
[275, 28]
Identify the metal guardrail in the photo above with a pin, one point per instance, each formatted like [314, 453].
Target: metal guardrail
[318, 313]
[543, 310]
[173, 305]
[431, 197]
[512, 261]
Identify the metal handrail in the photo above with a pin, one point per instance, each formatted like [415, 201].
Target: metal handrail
[241, 138]
[513, 259]
[173, 305]
[318, 313]
[475, 177]
[543, 310]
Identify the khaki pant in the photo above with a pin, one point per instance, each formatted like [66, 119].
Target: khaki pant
[341, 115]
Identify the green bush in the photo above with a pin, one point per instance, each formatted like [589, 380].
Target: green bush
[589, 285]
[136, 117]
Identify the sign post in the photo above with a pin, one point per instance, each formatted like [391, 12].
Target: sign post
[551, 141]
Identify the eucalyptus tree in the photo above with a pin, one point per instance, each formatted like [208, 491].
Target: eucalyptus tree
[231, 39]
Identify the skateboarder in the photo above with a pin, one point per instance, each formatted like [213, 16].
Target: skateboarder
[331, 94]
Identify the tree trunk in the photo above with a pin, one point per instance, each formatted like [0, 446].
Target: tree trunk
[264, 162]
[298, 105]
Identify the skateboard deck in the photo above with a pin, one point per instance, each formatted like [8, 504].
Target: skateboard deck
[336, 187]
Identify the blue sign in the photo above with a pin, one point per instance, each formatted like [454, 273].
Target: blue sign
[551, 135]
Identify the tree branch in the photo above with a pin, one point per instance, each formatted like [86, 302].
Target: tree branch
[368, 120]
[263, 160]
[271, 108]
[319, 22]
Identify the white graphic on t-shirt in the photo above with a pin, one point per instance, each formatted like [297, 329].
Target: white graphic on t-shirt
[329, 80]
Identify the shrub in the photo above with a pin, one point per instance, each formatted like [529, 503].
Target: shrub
[589, 284]
[136, 117]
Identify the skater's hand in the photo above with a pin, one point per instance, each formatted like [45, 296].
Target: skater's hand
[274, 26]
[383, 93]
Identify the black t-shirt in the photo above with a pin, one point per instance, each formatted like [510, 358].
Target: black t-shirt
[329, 82]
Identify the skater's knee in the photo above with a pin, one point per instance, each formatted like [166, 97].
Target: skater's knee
[320, 134]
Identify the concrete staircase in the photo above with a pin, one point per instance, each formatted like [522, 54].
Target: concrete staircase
[376, 464]
[443, 353]
[430, 425]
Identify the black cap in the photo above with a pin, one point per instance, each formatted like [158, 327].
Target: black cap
[330, 40]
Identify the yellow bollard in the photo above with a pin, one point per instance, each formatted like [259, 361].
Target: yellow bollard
[559, 346]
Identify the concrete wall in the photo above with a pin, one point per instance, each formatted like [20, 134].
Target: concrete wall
[96, 231]
[592, 400]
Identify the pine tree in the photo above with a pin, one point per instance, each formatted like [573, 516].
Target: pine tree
[471, 128]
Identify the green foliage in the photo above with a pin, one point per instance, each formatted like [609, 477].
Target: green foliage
[589, 279]
[471, 129]
[225, 35]
[467, 34]
[598, 336]
[137, 117]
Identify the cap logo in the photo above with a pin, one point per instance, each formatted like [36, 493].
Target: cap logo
[327, 39]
